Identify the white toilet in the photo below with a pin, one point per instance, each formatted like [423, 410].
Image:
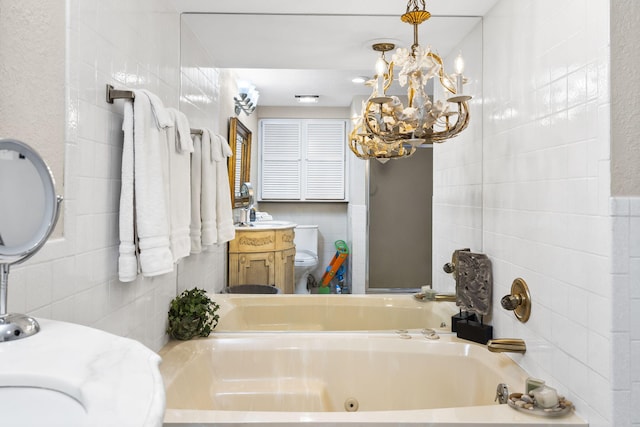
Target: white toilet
[306, 241]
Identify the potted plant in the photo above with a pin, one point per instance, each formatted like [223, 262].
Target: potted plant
[192, 314]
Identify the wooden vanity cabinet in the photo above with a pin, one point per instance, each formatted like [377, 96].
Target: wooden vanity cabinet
[263, 257]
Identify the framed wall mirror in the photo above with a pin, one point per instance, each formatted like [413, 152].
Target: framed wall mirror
[240, 161]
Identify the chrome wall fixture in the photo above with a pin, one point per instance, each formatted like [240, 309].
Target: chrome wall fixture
[247, 99]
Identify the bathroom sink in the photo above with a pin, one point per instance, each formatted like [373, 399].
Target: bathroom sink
[270, 224]
[72, 375]
[49, 404]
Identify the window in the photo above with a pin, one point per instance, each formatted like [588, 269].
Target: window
[302, 159]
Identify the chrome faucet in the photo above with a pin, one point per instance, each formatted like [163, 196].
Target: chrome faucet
[507, 345]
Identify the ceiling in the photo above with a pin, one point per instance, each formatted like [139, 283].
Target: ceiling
[294, 47]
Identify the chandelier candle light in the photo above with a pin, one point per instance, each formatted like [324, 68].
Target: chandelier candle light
[387, 129]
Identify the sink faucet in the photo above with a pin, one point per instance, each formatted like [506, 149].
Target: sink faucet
[507, 345]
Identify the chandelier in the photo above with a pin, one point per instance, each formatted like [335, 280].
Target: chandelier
[387, 128]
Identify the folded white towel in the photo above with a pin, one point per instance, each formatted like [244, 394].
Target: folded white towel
[179, 149]
[196, 191]
[224, 211]
[208, 195]
[152, 224]
[127, 260]
[160, 116]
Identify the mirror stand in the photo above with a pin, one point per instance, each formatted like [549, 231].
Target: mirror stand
[13, 326]
[28, 213]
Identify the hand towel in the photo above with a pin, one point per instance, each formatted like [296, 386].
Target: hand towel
[179, 149]
[127, 261]
[196, 191]
[209, 193]
[150, 145]
[224, 212]
[184, 142]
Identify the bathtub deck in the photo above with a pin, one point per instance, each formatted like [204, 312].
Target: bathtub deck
[485, 416]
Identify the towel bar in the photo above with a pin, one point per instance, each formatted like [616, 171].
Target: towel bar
[113, 93]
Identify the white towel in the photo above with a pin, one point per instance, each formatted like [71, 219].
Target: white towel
[209, 193]
[196, 191]
[152, 224]
[184, 143]
[224, 212]
[179, 149]
[127, 261]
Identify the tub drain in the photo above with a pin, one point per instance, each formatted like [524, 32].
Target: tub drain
[351, 404]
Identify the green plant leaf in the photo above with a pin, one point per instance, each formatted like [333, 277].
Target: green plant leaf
[192, 314]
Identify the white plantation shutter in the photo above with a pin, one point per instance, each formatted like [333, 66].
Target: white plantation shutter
[281, 158]
[302, 159]
[325, 160]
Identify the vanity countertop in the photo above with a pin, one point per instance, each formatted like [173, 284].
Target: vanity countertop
[266, 225]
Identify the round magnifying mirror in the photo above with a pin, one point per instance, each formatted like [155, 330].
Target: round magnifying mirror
[28, 214]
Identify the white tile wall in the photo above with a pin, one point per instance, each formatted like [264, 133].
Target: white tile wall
[546, 193]
[358, 244]
[74, 278]
[626, 309]
[457, 172]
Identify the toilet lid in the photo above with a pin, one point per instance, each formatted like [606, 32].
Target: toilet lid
[304, 257]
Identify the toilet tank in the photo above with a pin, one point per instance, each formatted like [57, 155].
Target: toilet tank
[306, 238]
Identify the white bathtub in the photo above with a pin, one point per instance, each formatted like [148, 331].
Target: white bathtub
[317, 378]
[329, 313]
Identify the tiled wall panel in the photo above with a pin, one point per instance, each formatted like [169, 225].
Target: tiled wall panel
[546, 190]
[74, 278]
[457, 172]
[626, 310]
